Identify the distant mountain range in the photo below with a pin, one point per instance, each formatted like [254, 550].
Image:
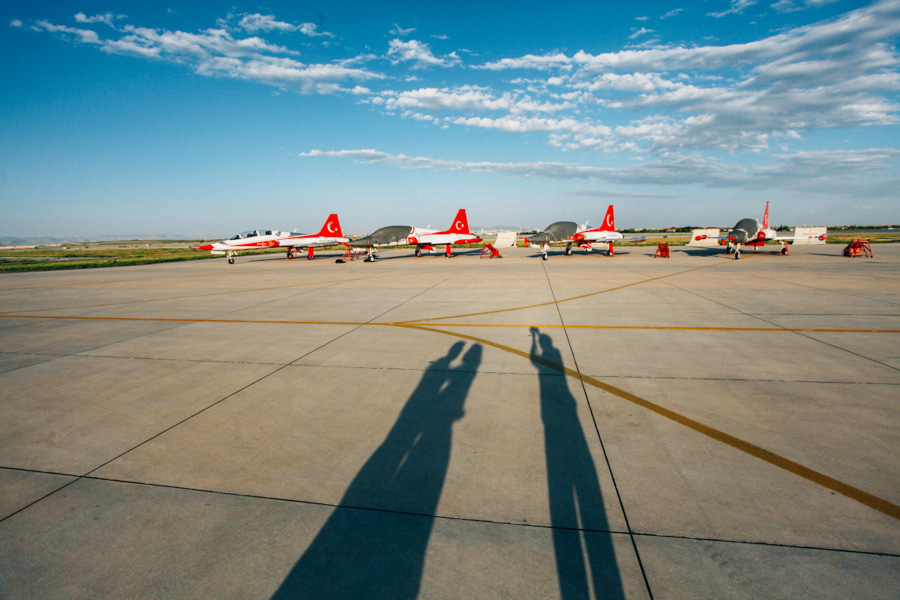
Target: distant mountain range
[49, 241]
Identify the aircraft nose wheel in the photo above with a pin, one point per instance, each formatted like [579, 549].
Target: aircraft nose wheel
[737, 254]
[230, 261]
[544, 256]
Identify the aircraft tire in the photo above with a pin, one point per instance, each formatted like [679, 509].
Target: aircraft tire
[783, 251]
[544, 257]
[737, 255]
[230, 261]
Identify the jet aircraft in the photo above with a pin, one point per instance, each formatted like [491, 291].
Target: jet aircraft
[246, 240]
[330, 235]
[570, 233]
[749, 232]
[423, 239]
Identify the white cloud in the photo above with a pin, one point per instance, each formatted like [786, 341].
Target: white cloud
[545, 169]
[839, 73]
[397, 30]
[828, 172]
[107, 18]
[737, 7]
[257, 22]
[789, 6]
[672, 13]
[219, 53]
[471, 99]
[419, 54]
[655, 102]
[85, 36]
[640, 32]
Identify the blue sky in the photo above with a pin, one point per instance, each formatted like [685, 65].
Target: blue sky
[204, 119]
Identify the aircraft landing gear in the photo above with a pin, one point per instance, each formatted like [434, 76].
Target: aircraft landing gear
[418, 252]
[568, 249]
[311, 254]
[290, 254]
[230, 261]
[737, 254]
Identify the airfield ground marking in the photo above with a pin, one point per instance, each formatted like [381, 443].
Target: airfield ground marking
[488, 325]
[879, 504]
[865, 498]
[552, 302]
[779, 461]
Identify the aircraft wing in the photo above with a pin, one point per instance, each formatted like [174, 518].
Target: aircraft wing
[805, 235]
[703, 236]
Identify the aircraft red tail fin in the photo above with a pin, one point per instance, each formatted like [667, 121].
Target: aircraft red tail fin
[609, 221]
[331, 228]
[460, 223]
[765, 222]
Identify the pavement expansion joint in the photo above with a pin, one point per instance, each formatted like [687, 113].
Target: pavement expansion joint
[636, 534]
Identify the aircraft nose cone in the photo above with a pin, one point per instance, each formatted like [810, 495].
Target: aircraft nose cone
[739, 236]
[361, 242]
[206, 247]
[538, 238]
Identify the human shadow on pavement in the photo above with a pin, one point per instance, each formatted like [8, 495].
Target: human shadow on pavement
[581, 540]
[374, 543]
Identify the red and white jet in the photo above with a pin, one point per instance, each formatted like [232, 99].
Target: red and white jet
[571, 233]
[749, 232]
[422, 239]
[246, 240]
[330, 235]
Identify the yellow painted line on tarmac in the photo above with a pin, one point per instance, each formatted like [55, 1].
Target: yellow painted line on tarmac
[187, 320]
[553, 302]
[659, 328]
[777, 460]
[482, 325]
[888, 508]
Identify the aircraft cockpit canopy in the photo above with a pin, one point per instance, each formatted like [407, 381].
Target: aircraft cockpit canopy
[253, 233]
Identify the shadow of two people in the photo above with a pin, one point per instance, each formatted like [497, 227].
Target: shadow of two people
[374, 543]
